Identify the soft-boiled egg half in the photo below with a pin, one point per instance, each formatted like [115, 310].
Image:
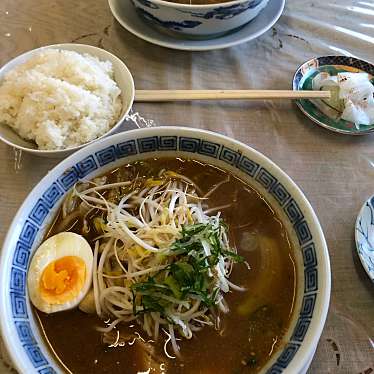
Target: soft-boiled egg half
[60, 272]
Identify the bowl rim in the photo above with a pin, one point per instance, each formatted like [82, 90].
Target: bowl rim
[77, 47]
[170, 4]
[309, 342]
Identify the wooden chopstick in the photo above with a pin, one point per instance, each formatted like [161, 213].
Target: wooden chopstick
[187, 95]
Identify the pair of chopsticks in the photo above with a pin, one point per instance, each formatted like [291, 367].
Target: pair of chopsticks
[187, 95]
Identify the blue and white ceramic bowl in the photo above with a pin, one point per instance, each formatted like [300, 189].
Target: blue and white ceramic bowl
[198, 21]
[364, 233]
[18, 325]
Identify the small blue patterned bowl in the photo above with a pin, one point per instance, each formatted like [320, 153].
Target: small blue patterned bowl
[18, 326]
[364, 233]
[198, 21]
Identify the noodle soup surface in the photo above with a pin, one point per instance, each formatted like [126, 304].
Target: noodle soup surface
[258, 318]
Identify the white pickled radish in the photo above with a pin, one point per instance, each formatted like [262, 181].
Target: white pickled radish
[355, 87]
[354, 113]
[370, 113]
[352, 80]
[324, 80]
[356, 95]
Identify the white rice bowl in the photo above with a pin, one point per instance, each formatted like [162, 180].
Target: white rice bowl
[60, 99]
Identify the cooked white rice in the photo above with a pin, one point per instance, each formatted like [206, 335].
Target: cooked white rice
[60, 99]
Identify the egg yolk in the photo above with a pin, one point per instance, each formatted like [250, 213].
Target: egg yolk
[62, 280]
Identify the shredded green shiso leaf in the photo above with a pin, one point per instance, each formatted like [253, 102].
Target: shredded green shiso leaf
[162, 257]
[191, 274]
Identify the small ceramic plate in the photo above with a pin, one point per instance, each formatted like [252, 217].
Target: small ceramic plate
[364, 234]
[317, 110]
[124, 12]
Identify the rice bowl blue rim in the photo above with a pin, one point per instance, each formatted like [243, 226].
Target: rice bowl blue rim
[15, 307]
[170, 4]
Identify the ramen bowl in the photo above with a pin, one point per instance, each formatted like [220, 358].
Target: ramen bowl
[19, 327]
[198, 21]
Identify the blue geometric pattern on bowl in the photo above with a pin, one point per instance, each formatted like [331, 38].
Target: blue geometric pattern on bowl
[225, 12]
[112, 153]
[170, 25]
[365, 237]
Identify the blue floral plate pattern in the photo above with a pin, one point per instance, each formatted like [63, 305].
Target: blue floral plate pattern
[124, 12]
[364, 233]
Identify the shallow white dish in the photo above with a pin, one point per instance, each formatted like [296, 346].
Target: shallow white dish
[122, 76]
[364, 234]
[18, 326]
[124, 12]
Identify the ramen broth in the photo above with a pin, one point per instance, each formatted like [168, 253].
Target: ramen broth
[249, 333]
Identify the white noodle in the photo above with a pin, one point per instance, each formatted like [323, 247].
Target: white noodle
[106, 187]
[94, 280]
[137, 244]
[217, 208]
[173, 341]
